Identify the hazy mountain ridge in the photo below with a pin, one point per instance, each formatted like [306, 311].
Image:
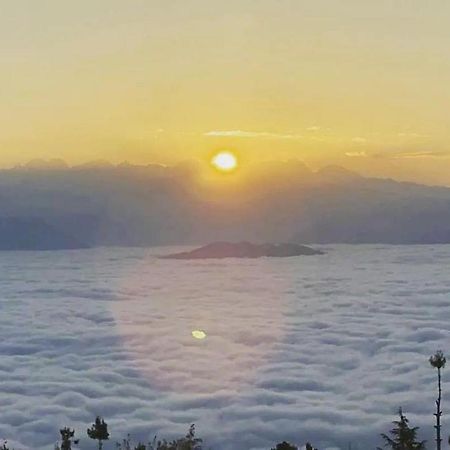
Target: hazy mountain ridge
[221, 250]
[157, 205]
[35, 234]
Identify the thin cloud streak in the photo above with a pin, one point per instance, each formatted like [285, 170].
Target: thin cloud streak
[412, 135]
[251, 134]
[356, 154]
[359, 140]
[413, 155]
[423, 155]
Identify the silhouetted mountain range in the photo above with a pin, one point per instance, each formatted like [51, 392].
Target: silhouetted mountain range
[35, 234]
[49, 205]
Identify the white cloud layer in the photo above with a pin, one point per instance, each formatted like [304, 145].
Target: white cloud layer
[317, 348]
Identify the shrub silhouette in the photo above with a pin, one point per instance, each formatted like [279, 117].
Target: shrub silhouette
[308, 446]
[189, 442]
[438, 362]
[99, 431]
[140, 447]
[285, 446]
[126, 445]
[402, 436]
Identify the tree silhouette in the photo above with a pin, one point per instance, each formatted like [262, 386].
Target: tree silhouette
[308, 446]
[67, 439]
[403, 437]
[98, 431]
[4, 446]
[438, 362]
[285, 446]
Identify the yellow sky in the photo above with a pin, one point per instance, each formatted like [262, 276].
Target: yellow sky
[364, 84]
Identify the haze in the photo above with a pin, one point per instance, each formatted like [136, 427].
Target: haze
[357, 83]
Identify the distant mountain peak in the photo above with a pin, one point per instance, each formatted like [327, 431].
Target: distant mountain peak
[96, 164]
[43, 164]
[337, 172]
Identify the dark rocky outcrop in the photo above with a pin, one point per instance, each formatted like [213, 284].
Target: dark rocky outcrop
[219, 250]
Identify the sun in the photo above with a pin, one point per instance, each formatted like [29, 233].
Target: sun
[224, 161]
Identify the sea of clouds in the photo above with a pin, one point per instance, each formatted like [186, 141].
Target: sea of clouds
[320, 348]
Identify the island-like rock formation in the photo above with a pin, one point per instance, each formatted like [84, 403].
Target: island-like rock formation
[219, 250]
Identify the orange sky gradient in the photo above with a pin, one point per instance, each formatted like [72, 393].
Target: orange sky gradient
[358, 83]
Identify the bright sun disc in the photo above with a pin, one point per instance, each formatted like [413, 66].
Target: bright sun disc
[224, 161]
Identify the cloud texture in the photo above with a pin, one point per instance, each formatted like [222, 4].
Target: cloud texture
[317, 348]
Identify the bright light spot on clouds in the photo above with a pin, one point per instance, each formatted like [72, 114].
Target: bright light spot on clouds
[199, 334]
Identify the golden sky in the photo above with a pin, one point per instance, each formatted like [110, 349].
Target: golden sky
[364, 84]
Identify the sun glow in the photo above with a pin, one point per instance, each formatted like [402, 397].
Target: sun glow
[224, 161]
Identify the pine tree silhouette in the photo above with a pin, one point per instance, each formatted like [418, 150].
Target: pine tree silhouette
[402, 436]
[438, 362]
[98, 431]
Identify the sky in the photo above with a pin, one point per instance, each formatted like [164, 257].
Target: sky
[357, 83]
